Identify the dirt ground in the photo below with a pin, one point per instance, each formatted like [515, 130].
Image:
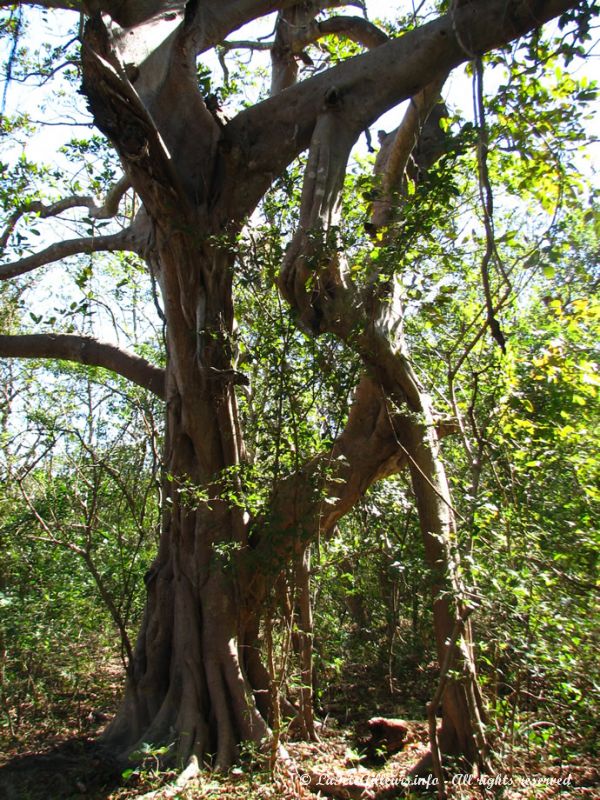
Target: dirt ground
[55, 757]
[77, 768]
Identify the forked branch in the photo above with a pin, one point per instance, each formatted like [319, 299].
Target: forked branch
[314, 498]
[106, 210]
[281, 127]
[297, 28]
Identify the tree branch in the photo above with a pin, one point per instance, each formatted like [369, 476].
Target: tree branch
[246, 45]
[89, 351]
[124, 12]
[290, 22]
[130, 118]
[43, 211]
[211, 22]
[107, 210]
[313, 499]
[128, 239]
[297, 28]
[357, 29]
[110, 206]
[272, 133]
[393, 157]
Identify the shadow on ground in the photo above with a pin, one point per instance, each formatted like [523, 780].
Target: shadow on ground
[74, 769]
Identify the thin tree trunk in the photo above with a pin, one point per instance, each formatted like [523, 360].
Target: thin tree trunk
[462, 731]
[305, 646]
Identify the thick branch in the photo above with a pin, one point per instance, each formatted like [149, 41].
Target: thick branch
[110, 206]
[368, 85]
[311, 501]
[86, 350]
[357, 29]
[314, 277]
[291, 21]
[123, 240]
[297, 28]
[130, 12]
[396, 149]
[328, 486]
[211, 22]
[167, 164]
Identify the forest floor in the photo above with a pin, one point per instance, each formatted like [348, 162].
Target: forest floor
[54, 757]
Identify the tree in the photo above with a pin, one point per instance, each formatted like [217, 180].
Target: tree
[196, 668]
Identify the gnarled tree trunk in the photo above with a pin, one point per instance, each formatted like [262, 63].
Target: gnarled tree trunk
[187, 681]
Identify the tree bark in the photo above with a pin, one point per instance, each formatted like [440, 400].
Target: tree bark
[305, 646]
[187, 680]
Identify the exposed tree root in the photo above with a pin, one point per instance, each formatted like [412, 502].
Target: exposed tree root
[290, 780]
[177, 786]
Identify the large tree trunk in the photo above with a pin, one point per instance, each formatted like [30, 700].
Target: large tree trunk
[187, 681]
[196, 656]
